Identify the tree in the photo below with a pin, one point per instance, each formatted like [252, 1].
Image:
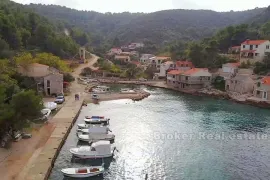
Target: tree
[195, 54]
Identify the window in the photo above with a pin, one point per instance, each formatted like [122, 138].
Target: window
[256, 54]
[178, 82]
[48, 83]
[256, 46]
[173, 76]
[186, 78]
[259, 84]
[186, 65]
[209, 78]
[267, 46]
[258, 92]
[173, 82]
[244, 46]
[182, 65]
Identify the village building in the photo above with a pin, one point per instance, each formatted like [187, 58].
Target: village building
[135, 45]
[172, 78]
[156, 61]
[164, 67]
[145, 58]
[184, 65]
[48, 79]
[234, 50]
[229, 70]
[262, 89]
[240, 83]
[114, 51]
[254, 50]
[122, 58]
[194, 79]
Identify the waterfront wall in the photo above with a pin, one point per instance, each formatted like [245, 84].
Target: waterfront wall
[40, 168]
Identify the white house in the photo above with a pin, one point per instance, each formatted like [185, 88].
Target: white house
[254, 50]
[115, 51]
[229, 70]
[164, 67]
[262, 89]
[145, 58]
[156, 61]
[136, 45]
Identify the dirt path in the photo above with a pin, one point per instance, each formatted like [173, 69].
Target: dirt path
[14, 162]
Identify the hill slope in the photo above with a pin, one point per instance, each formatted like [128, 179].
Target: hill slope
[158, 27]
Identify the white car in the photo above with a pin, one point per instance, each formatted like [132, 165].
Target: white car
[46, 113]
[50, 105]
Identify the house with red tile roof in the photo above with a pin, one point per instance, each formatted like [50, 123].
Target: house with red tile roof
[229, 69]
[195, 78]
[254, 50]
[172, 78]
[184, 65]
[262, 89]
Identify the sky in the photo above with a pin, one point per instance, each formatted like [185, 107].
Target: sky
[153, 5]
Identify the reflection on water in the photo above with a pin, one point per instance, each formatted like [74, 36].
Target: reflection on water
[146, 137]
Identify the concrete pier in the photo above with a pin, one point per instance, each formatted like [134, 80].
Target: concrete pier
[40, 167]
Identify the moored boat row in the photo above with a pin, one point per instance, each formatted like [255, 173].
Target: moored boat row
[96, 132]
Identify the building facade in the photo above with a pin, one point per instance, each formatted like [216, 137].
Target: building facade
[184, 65]
[254, 50]
[262, 89]
[241, 83]
[145, 58]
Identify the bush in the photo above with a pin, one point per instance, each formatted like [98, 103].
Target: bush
[68, 77]
[86, 71]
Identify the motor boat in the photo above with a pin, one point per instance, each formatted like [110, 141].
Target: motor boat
[96, 119]
[99, 149]
[95, 137]
[83, 172]
[101, 89]
[94, 129]
[86, 126]
[127, 90]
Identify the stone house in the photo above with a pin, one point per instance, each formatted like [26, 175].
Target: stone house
[172, 78]
[241, 83]
[195, 78]
[262, 89]
[164, 67]
[229, 70]
[48, 79]
[156, 61]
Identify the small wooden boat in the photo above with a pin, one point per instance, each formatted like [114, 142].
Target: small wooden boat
[83, 172]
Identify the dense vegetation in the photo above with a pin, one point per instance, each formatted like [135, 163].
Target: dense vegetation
[158, 27]
[23, 30]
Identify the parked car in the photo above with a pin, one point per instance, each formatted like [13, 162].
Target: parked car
[26, 135]
[60, 99]
[45, 114]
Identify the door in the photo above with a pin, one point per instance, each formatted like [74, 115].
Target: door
[264, 95]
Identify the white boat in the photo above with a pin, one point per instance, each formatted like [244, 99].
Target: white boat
[83, 172]
[100, 149]
[101, 89]
[127, 90]
[86, 126]
[96, 119]
[95, 137]
[94, 129]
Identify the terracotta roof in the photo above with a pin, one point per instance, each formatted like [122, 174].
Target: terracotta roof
[168, 62]
[253, 42]
[175, 72]
[163, 57]
[179, 63]
[266, 80]
[233, 64]
[195, 70]
[248, 51]
[121, 57]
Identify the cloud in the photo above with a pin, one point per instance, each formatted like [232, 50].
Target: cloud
[186, 4]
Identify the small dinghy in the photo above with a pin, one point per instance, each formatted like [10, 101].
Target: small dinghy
[100, 149]
[83, 172]
[96, 119]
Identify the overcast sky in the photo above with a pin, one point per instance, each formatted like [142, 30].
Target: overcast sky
[153, 5]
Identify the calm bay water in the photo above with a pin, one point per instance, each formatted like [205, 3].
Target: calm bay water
[174, 136]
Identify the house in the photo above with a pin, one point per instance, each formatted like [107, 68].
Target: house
[184, 65]
[172, 78]
[136, 45]
[164, 67]
[122, 58]
[115, 51]
[241, 83]
[229, 70]
[262, 89]
[195, 78]
[156, 61]
[48, 79]
[234, 50]
[134, 53]
[145, 58]
[254, 50]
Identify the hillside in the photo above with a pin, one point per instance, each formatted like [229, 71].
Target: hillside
[23, 30]
[158, 27]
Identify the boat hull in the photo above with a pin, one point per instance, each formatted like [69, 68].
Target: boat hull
[91, 156]
[97, 137]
